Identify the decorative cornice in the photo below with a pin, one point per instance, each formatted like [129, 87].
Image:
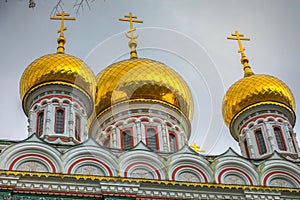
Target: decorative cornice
[17, 175]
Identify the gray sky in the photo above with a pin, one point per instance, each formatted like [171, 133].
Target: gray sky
[189, 36]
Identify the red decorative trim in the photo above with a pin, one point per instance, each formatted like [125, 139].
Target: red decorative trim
[59, 97]
[33, 155]
[189, 167]
[63, 124]
[90, 159]
[234, 169]
[142, 163]
[265, 115]
[176, 141]
[153, 198]
[280, 172]
[156, 136]
[114, 194]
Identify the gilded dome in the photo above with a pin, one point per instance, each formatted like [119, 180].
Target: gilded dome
[253, 90]
[142, 79]
[58, 68]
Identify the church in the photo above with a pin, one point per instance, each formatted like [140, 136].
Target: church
[123, 133]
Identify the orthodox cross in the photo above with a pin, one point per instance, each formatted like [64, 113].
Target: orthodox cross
[61, 40]
[62, 16]
[237, 36]
[196, 148]
[244, 60]
[132, 43]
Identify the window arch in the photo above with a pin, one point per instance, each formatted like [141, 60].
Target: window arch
[77, 127]
[173, 142]
[40, 124]
[151, 138]
[260, 142]
[279, 138]
[59, 120]
[126, 139]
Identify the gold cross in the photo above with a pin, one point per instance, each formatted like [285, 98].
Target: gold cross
[244, 60]
[196, 148]
[237, 36]
[132, 43]
[62, 16]
[130, 18]
[61, 39]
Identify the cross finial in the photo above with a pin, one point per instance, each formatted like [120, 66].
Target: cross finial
[132, 43]
[244, 60]
[196, 148]
[61, 39]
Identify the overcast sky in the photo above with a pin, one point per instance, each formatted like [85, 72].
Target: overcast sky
[187, 35]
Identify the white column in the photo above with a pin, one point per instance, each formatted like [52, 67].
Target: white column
[242, 147]
[181, 140]
[250, 147]
[30, 123]
[164, 137]
[270, 136]
[113, 137]
[71, 132]
[287, 138]
[48, 117]
[138, 130]
[84, 129]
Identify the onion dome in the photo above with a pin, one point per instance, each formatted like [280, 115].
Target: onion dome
[140, 79]
[58, 69]
[255, 90]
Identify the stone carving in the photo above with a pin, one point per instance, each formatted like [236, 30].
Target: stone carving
[89, 170]
[32, 167]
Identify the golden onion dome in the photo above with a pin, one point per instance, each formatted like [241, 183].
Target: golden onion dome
[252, 90]
[141, 79]
[58, 68]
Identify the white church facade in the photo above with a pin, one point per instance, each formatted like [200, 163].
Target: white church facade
[123, 134]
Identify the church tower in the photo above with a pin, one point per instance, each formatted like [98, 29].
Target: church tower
[57, 92]
[259, 111]
[141, 100]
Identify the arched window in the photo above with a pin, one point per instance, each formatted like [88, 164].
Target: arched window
[40, 124]
[173, 142]
[279, 139]
[151, 138]
[77, 127]
[246, 148]
[260, 142]
[127, 139]
[59, 120]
